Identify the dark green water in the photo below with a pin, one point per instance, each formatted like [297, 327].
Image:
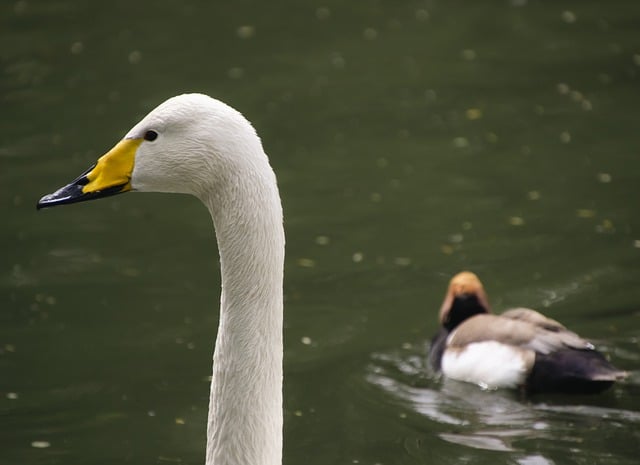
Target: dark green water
[411, 140]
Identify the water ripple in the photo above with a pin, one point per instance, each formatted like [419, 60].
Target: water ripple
[504, 421]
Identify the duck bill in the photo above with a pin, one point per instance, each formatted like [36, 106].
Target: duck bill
[111, 175]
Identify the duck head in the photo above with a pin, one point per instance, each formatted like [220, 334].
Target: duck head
[465, 298]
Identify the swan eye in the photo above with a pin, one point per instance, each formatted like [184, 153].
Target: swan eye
[150, 135]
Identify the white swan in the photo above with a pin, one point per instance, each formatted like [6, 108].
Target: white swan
[197, 145]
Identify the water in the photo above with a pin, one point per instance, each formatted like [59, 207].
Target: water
[411, 140]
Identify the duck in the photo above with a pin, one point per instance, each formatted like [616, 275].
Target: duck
[519, 349]
[195, 144]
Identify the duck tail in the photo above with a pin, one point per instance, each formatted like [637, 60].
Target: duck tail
[573, 371]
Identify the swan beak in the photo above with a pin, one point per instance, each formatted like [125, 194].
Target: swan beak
[109, 176]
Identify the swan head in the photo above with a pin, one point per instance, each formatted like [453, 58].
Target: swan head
[191, 144]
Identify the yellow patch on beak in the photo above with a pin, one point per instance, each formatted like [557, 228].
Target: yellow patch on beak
[114, 168]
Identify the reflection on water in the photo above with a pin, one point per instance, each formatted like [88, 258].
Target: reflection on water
[502, 420]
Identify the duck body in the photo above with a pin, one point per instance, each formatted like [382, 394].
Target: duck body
[520, 348]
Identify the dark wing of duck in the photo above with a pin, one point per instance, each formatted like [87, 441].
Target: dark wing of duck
[564, 361]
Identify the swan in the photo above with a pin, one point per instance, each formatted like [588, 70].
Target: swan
[195, 144]
[520, 348]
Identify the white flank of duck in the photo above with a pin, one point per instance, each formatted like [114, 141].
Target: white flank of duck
[489, 364]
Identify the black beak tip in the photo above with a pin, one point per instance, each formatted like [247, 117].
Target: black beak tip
[71, 193]
[68, 194]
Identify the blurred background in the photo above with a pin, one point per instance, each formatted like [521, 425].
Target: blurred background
[411, 139]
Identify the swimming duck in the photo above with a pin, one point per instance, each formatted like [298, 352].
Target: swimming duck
[520, 348]
[194, 144]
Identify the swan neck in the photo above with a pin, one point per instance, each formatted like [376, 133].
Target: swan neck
[245, 408]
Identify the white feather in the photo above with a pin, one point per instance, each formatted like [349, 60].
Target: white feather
[488, 364]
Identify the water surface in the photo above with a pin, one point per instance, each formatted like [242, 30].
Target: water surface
[411, 140]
